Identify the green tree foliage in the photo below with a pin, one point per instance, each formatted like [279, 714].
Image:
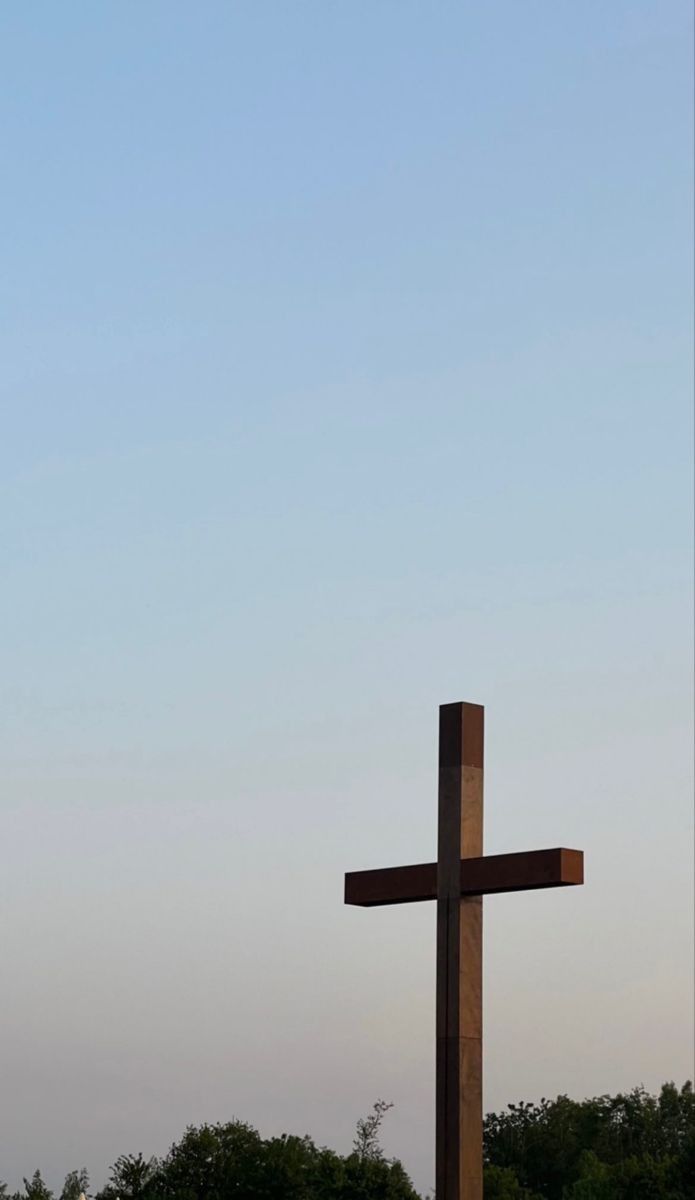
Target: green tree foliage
[219, 1162]
[501, 1183]
[132, 1178]
[76, 1185]
[632, 1146]
[35, 1188]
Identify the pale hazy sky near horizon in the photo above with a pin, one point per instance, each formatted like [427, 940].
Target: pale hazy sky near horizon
[346, 370]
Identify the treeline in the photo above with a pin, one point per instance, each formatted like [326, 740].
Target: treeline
[632, 1146]
[225, 1161]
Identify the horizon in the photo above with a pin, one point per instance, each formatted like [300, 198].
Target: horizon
[55, 1185]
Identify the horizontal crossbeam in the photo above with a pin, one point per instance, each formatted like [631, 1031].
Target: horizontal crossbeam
[479, 877]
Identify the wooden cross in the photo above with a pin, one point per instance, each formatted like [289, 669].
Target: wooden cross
[458, 881]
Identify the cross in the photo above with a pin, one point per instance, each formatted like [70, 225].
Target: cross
[458, 881]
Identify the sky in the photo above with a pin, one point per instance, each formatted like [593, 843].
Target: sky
[346, 370]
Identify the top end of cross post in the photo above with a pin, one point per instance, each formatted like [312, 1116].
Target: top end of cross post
[461, 734]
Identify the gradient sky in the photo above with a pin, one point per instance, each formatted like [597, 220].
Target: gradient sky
[346, 370]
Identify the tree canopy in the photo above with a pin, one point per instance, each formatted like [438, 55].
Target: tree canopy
[632, 1146]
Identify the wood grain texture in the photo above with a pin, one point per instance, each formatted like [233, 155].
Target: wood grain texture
[470, 955]
[459, 1147]
[470, 1052]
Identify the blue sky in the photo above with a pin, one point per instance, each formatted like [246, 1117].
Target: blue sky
[346, 370]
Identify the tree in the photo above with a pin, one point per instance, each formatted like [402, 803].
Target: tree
[35, 1188]
[366, 1144]
[132, 1178]
[631, 1146]
[215, 1162]
[594, 1182]
[212, 1160]
[76, 1185]
[501, 1183]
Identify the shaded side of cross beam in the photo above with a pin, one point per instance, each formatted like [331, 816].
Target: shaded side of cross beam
[479, 876]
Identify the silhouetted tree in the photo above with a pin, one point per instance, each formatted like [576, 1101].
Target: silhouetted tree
[35, 1188]
[132, 1178]
[632, 1146]
[76, 1185]
[366, 1144]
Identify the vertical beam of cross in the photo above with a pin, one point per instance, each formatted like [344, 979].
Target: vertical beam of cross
[459, 1133]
